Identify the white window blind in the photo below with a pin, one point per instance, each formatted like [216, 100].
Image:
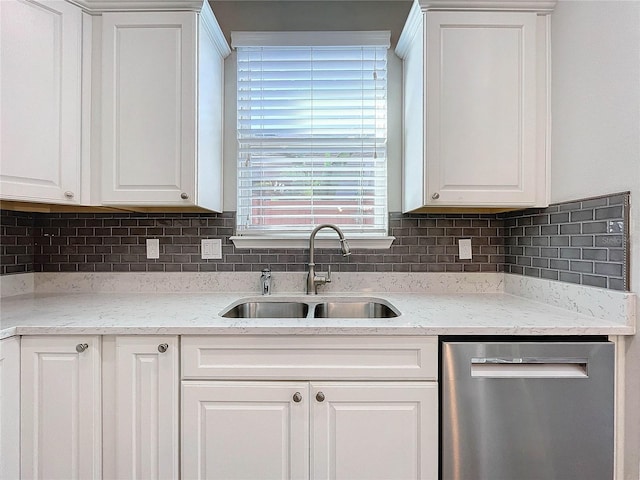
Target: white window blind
[312, 132]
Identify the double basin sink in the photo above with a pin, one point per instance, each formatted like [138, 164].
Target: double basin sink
[335, 307]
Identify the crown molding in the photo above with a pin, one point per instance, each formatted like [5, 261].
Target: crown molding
[414, 19]
[211, 27]
[99, 6]
[538, 6]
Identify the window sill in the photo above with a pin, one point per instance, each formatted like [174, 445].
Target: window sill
[302, 242]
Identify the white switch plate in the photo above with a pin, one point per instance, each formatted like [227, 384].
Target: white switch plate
[464, 249]
[153, 248]
[211, 248]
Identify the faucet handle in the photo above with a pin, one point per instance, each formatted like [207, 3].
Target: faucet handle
[328, 279]
[265, 278]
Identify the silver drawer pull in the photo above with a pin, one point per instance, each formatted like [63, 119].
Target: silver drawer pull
[81, 347]
[163, 347]
[297, 397]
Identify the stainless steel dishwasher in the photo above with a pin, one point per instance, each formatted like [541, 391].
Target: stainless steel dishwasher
[527, 411]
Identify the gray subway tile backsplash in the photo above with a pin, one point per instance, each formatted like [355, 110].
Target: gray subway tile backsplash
[589, 244]
[579, 242]
[115, 242]
[16, 242]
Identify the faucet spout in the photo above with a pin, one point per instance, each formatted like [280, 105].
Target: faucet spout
[313, 280]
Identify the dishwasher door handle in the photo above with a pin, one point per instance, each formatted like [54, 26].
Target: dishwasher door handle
[531, 367]
[511, 360]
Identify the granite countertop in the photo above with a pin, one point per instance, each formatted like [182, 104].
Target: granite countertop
[199, 313]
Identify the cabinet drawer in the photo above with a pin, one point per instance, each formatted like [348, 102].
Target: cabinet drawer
[309, 358]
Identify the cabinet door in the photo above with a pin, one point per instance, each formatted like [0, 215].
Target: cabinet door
[141, 407]
[60, 407]
[245, 430]
[481, 109]
[10, 408]
[148, 108]
[40, 96]
[374, 430]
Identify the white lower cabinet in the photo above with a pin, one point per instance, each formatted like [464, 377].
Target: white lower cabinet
[140, 407]
[369, 430]
[251, 407]
[365, 426]
[245, 430]
[300, 430]
[60, 407]
[10, 408]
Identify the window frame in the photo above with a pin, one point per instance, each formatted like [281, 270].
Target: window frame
[300, 239]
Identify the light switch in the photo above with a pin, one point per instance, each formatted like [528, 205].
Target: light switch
[153, 248]
[464, 249]
[211, 248]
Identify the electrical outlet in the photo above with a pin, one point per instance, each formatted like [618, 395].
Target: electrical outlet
[464, 249]
[211, 248]
[153, 248]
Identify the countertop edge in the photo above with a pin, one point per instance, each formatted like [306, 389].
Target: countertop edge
[318, 330]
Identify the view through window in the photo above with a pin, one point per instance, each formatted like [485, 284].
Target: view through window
[312, 134]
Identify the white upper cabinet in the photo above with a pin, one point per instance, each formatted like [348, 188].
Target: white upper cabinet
[40, 101]
[162, 81]
[475, 106]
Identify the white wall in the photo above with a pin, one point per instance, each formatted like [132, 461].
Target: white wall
[595, 98]
[595, 144]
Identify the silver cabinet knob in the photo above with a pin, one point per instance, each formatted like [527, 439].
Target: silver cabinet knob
[184, 196]
[163, 347]
[435, 196]
[81, 347]
[68, 194]
[297, 397]
[320, 397]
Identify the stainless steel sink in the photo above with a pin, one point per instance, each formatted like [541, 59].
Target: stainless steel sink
[260, 309]
[347, 308]
[336, 307]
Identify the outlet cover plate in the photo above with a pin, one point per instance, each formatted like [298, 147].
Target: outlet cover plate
[211, 249]
[153, 248]
[464, 249]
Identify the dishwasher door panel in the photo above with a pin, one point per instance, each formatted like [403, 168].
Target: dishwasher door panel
[527, 411]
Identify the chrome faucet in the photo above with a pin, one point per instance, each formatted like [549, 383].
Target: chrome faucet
[313, 280]
[265, 279]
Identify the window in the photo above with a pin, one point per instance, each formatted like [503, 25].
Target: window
[312, 132]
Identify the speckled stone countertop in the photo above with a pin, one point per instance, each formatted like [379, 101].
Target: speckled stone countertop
[493, 305]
